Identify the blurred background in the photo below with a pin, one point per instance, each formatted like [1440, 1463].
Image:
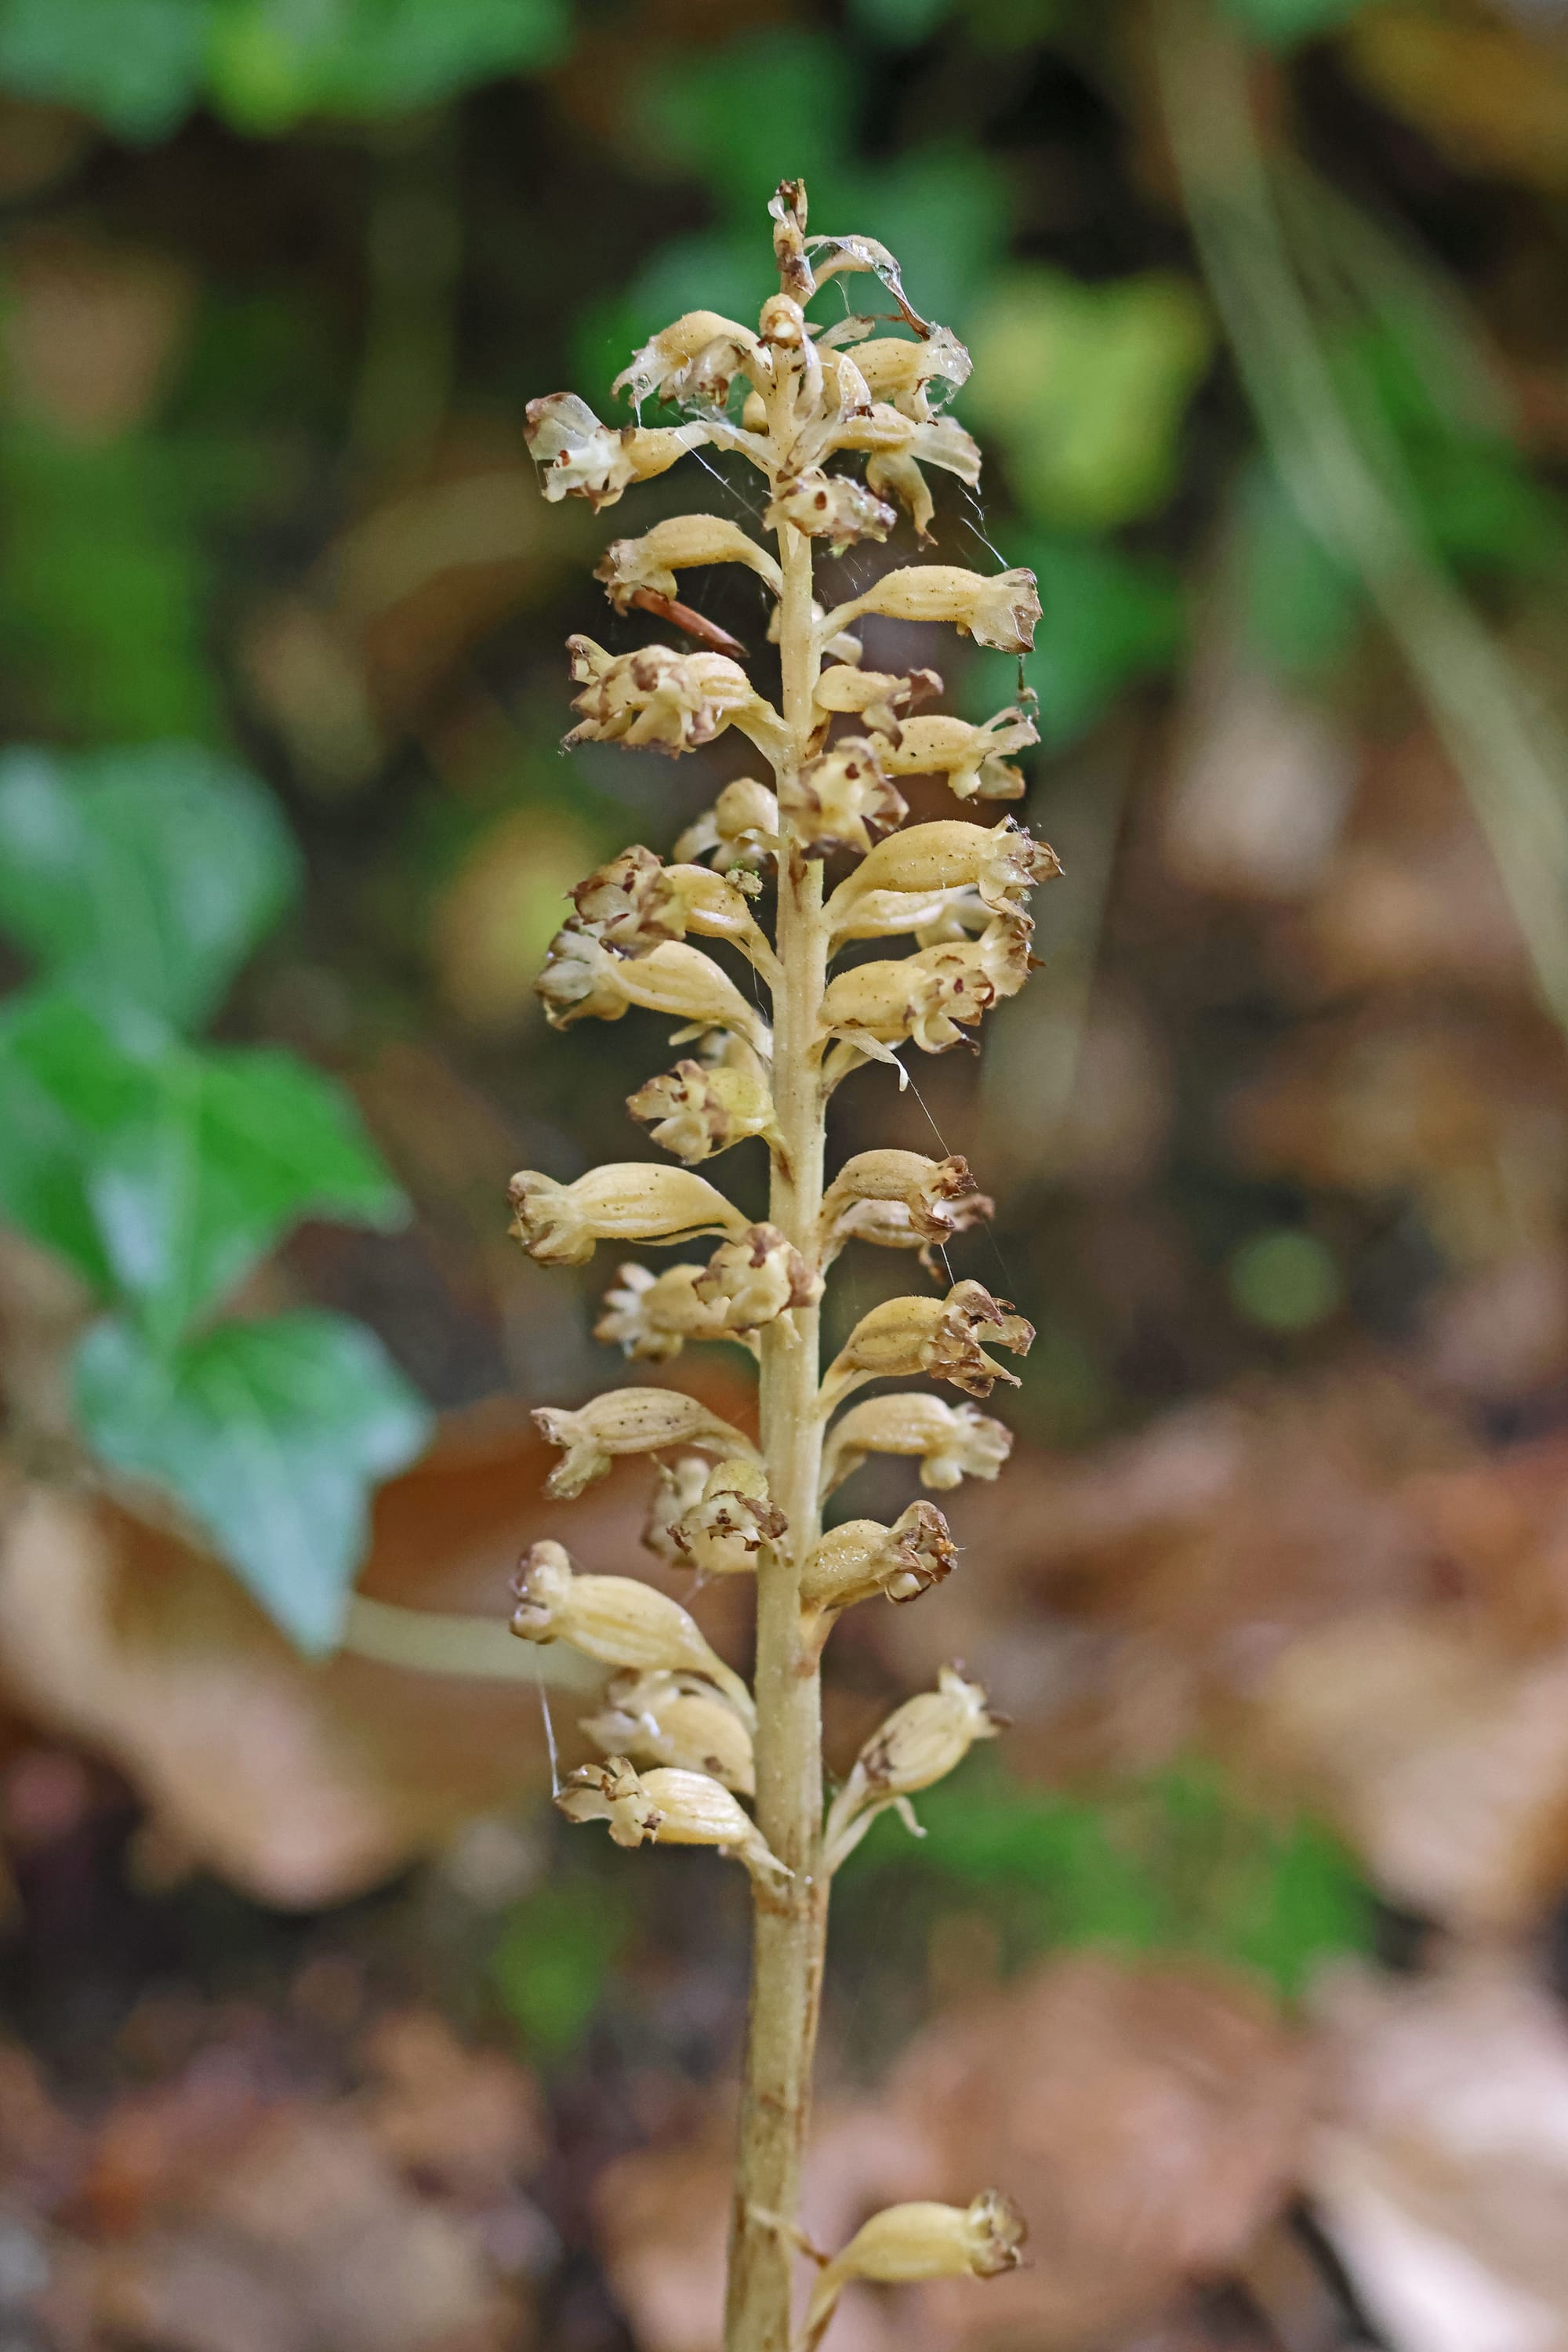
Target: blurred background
[1243, 1962]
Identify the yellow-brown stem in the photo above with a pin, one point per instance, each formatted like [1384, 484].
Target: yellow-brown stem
[790, 1926]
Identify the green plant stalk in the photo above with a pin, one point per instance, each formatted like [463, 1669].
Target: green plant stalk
[789, 1927]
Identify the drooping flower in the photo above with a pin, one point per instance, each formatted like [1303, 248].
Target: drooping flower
[674, 545]
[628, 1421]
[974, 759]
[657, 1717]
[1000, 864]
[617, 1620]
[695, 1109]
[1000, 610]
[720, 1530]
[861, 1557]
[902, 1200]
[904, 2243]
[841, 800]
[635, 902]
[578, 457]
[876, 697]
[581, 979]
[952, 1442]
[660, 700]
[624, 1201]
[919, 1744]
[936, 1336]
[669, 1807]
[694, 359]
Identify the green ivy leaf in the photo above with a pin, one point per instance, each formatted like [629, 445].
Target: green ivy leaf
[163, 1173]
[270, 1434]
[227, 1150]
[142, 877]
[67, 1085]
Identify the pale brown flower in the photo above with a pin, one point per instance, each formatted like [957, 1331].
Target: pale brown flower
[628, 1421]
[652, 561]
[695, 1109]
[907, 2242]
[632, 1200]
[1000, 610]
[657, 1717]
[936, 1336]
[617, 1621]
[861, 1557]
[668, 1806]
[579, 457]
[660, 700]
[952, 1442]
[841, 800]
[919, 1744]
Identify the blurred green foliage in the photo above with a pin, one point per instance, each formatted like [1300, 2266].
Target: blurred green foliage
[554, 1958]
[164, 1170]
[1180, 1863]
[264, 65]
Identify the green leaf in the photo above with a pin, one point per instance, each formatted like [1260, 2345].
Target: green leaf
[143, 876]
[136, 65]
[1301, 608]
[767, 107]
[227, 1152]
[1086, 388]
[272, 1435]
[68, 1086]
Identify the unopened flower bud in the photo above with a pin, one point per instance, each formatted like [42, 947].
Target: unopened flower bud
[628, 1421]
[862, 1558]
[908, 2242]
[626, 1200]
[974, 759]
[582, 980]
[932, 1200]
[834, 506]
[616, 1621]
[999, 611]
[579, 457]
[671, 546]
[876, 697]
[931, 997]
[659, 1717]
[935, 1335]
[742, 827]
[841, 800]
[787, 205]
[952, 1442]
[660, 700]
[721, 1530]
[669, 1807]
[694, 1111]
[919, 1744]
[663, 368]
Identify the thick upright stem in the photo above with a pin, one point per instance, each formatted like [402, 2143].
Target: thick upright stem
[790, 1928]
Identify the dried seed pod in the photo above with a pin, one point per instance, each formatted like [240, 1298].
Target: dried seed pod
[663, 369]
[694, 1111]
[999, 611]
[834, 506]
[840, 800]
[626, 1200]
[936, 1336]
[579, 457]
[878, 698]
[660, 700]
[677, 1487]
[670, 1807]
[919, 1744]
[907, 2242]
[974, 759]
[629, 1421]
[616, 1620]
[998, 863]
[862, 1558]
[659, 1717]
[635, 903]
[651, 562]
[721, 1531]
[582, 980]
[952, 1442]
[742, 828]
